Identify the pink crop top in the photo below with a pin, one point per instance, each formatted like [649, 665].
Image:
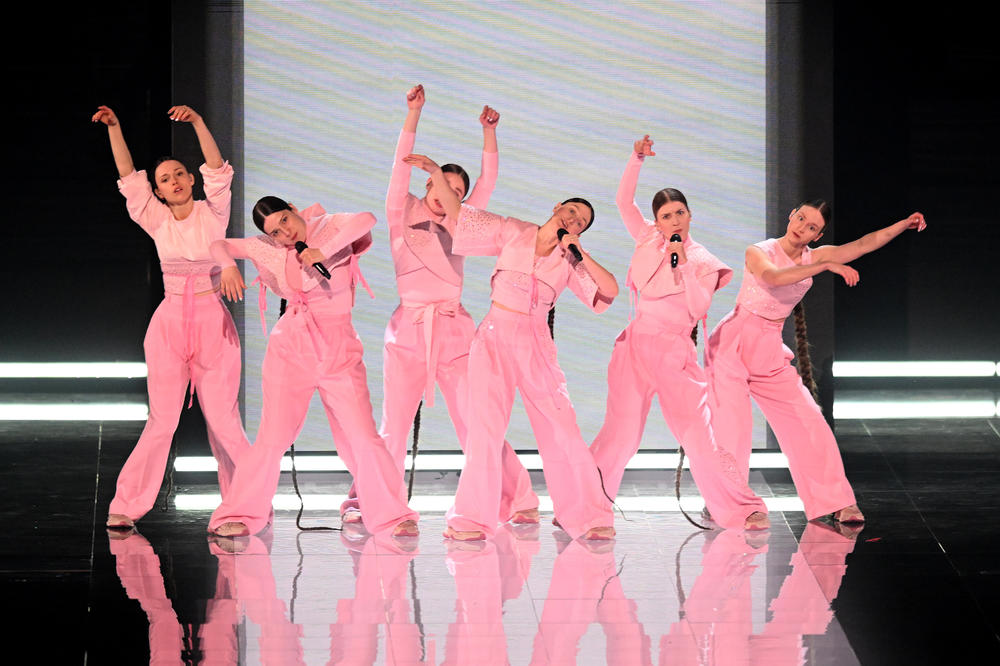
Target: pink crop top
[522, 281]
[773, 302]
[183, 245]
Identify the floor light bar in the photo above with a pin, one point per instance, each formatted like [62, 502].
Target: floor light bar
[78, 411]
[441, 503]
[452, 462]
[915, 369]
[914, 409]
[72, 370]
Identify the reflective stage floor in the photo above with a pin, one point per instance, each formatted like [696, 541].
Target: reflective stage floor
[917, 585]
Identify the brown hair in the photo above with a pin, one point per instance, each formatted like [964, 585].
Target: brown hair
[802, 360]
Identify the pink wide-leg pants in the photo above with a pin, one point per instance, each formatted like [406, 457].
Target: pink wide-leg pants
[310, 351]
[513, 350]
[586, 588]
[405, 369]
[745, 358]
[199, 346]
[656, 358]
[138, 569]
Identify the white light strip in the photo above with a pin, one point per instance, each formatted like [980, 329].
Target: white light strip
[441, 503]
[915, 369]
[451, 462]
[72, 370]
[915, 409]
[79, 411]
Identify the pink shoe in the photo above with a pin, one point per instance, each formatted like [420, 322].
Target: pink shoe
[407, 528]
[119, 521]
[472, 535]
[600, 533]
[526, 517]
[849, 514]
[757, 521]
[231, 530]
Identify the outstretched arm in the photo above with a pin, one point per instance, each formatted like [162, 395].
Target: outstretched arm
[765, 270]
[848, 252]
[123, 158]
[625, 199]
[209, 149]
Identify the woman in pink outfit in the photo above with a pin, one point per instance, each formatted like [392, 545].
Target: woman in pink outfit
[429, 334]
[191, 337]
[655, 355]
[513, 349]
[312, 347]
[745, 357]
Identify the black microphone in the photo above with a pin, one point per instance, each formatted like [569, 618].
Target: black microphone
[676, 238]
[300, 246]
[560, 232]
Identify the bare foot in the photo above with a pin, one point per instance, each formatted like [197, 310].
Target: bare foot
[458, 535]
[351, 515]
[849, 514]
[231, 530]
[600, 533]
[526, 516]
[119, 521]
[757, 521]
[407, 528]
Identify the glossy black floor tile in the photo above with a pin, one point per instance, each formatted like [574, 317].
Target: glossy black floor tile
[917, 585]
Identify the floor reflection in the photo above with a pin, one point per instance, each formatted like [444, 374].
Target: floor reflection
[658, 594]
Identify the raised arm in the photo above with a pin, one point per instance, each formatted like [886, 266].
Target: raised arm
[765, 270]
[399, 181]
[123, 158]
[483, 189]
[848, 252]
[625, 199]
[209, 149]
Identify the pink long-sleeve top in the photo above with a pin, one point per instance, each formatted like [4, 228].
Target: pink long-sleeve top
[681, 295]
[183, 245]
[522, 281]
[342, 238]
[426, 269]
[773, 302]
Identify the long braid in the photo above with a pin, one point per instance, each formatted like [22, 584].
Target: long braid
[802, 360]
[552, 322]
[413, 454]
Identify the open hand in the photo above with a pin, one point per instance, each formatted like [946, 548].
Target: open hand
[421, 162]
[105, 115]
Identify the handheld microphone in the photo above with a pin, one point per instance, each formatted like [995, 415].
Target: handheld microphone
[300, 246]
[560, 232]
[676, 238]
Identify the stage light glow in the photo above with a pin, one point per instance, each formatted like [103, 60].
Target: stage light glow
[441, 503]
[913, 409]
[450, 462]
[72, 370]
[915, 369]
[79, 411]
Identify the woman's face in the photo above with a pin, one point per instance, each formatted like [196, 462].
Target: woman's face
[572, 216]
[285, 226]
[433, 199]
[673, 218]
[805, 224]
[173, 182]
